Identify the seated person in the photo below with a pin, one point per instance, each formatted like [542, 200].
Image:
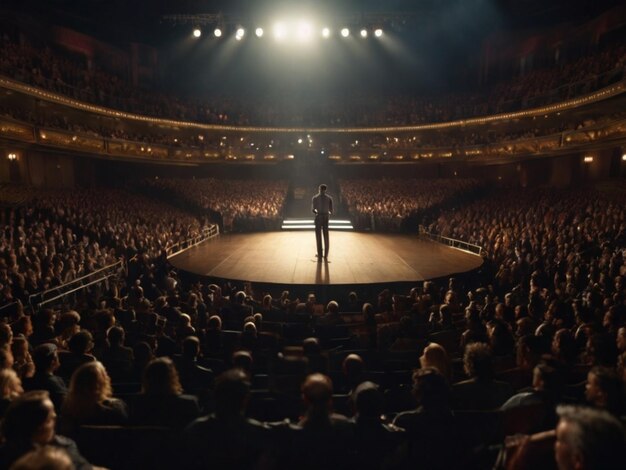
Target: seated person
[90, 400]
[481, 391]
[161, 402]
[30, 423]
[431, 427]
[226, 439]
[47, 362]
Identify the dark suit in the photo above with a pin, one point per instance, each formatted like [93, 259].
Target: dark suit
[322, 207]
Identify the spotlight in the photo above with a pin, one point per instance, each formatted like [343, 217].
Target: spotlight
[280, 31]
[240, 34]
[364, 33]
[259, 32]
[378, 33]
[304, 31]
[197, 33]
[345, 32]
[217, 33]
[325, 33]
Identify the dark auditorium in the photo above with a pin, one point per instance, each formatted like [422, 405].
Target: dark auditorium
[313, 234]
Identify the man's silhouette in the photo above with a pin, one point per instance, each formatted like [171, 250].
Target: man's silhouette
[322, 207]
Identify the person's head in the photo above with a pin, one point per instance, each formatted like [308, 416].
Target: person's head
[548, 378]
[214, 323]
[478, 361]
[115, 335]
[604, 389]
[435, 356]
[191, 347]
[332, 308]
[6, 358]
[232, 390]
[528, 352]
[68, 324]
[564, 346]
[30, 419]
[431, 388]
[90, 384]
[500, 338]
[81, 342]
[353, 367]
[10, 384]
[323, 188]
[621, 339]
[23, 325]
[240, 297]
[6, 335]
[44, 458]
[160, 377]
[368, 401]
[601, 350]
[311, 346]
[142, 352]
[249, 329]
[46, 358]
[243, 360]
[317, 391]
[588, 439]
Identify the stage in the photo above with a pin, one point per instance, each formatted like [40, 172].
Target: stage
[288, 257]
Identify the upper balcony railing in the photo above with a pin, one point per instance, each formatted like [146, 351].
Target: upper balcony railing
[609, 131]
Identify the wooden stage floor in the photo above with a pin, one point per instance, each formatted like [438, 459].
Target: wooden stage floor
[288, 257]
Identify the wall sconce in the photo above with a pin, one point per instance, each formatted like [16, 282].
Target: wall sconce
[588, 159]
[12, 156]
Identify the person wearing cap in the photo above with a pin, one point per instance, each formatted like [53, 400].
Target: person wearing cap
[46, 362]
[322, 207]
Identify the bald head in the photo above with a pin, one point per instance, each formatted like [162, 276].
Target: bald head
[317, 389]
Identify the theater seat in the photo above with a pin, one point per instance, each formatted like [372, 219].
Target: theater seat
[126, 447]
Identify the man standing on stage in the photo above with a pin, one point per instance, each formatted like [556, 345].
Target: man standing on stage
[322, 207]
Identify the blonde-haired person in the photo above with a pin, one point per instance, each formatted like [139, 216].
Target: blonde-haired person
[10, 388]
[435, 356]
[162, 402]
[90, 400]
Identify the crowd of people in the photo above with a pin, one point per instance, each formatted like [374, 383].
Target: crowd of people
[49, 69]
[532, 342]
[51, 237]
[387, 204]
[241, 204]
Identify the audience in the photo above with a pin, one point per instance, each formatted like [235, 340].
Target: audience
[29, 424]
[539, 325]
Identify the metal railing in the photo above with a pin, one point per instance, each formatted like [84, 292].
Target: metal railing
[458, 244]
[40, 299]
[206, 233]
